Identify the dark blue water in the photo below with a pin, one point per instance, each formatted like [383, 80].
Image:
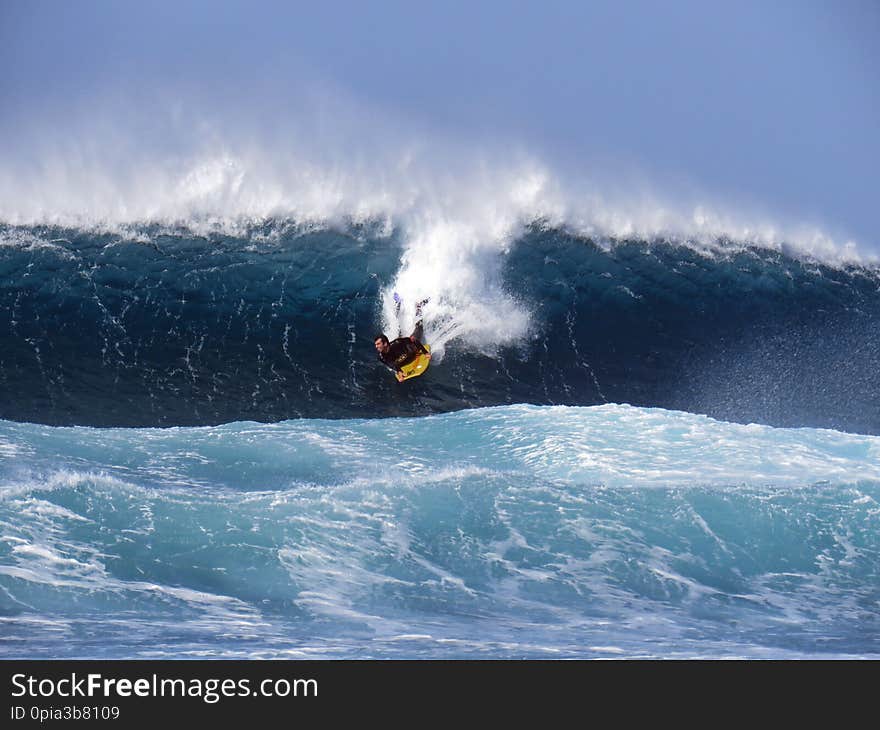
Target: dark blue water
[159, 327]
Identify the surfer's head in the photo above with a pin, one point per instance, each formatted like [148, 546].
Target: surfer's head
[381, 343]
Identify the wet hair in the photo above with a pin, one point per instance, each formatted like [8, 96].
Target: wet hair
[381, 337]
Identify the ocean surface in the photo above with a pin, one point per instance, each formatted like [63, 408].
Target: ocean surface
[626, 446]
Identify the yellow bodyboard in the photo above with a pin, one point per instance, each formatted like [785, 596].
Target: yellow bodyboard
[417, 366]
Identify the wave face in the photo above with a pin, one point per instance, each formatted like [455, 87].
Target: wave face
[516, 531]
[154, 325]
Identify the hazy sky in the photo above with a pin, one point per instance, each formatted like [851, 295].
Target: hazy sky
[773, 104]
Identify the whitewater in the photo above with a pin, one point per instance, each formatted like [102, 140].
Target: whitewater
[648, 430]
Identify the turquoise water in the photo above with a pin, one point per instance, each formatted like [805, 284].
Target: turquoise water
[515, 531]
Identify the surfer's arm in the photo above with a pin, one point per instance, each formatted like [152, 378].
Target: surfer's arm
[392, 366]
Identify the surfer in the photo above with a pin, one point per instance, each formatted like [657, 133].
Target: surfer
[402, 351]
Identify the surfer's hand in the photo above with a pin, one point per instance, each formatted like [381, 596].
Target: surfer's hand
[399, 377]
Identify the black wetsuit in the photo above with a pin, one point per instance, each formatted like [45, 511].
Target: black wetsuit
[403, 350]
